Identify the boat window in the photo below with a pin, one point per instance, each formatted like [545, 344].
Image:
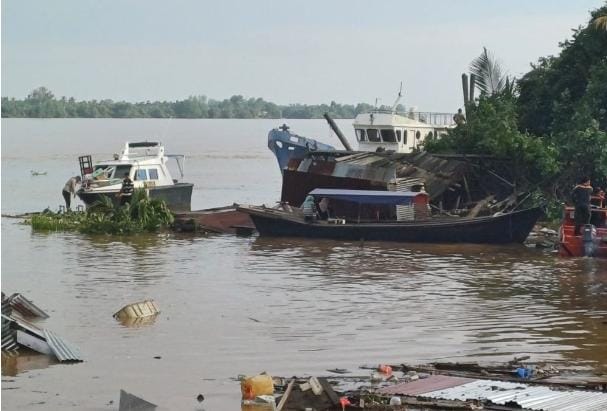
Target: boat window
[388, 135]
[373, 135]
[102, 172]
[360, 134]
[141, 174]
[398, 135]
[405, 137]
[119, 171]
[153, 174]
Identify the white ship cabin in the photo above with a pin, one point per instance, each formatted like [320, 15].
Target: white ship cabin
[146, 163]
[401, 133]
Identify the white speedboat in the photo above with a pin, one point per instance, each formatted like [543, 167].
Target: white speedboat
[146, 164]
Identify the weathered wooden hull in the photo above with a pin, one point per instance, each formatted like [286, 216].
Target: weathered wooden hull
[507, 228]
[221, 220]
[178, 197]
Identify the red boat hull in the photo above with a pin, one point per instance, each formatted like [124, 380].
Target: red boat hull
[574, 246]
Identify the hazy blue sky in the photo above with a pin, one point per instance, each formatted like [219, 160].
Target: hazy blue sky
[284, 51]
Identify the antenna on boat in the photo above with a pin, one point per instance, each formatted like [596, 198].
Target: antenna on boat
[400, 94]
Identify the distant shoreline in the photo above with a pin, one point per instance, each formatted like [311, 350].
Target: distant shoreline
[174, 118]
[42, 103]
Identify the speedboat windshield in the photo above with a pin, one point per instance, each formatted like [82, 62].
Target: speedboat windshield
[105, 171]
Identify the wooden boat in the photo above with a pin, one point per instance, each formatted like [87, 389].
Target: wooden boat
[512, 227]
[592, 241]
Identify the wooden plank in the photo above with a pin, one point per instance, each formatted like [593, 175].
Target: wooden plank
[285, 397]
[479, 206]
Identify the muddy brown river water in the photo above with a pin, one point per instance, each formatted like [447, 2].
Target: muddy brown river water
[240, 305]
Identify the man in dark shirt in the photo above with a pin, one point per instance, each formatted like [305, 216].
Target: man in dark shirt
[127, 189]
[581, 199]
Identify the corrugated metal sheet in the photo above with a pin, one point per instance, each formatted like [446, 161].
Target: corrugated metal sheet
[527, 396]
[6, 306]
[9, 338]
[437, 172]
[432, 383]
[63, 350]
[25, 307]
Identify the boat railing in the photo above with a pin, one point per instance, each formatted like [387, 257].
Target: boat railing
[428, 117]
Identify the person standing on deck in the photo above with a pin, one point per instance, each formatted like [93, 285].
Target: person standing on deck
[581, 200]
[459, 117]
[324, 212]
[69, 190]
[127, 190]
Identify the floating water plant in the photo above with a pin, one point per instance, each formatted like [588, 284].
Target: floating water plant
[142, 214]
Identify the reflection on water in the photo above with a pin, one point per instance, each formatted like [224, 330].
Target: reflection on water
[240, 305]
[135, 322]
[475, 301]
[26, 360]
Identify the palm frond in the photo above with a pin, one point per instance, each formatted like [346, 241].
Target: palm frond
[489, 76]
[600, 22]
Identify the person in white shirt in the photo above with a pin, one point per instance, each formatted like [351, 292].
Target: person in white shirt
[69, 190]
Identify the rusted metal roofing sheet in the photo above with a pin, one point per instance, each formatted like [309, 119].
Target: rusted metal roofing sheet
[63, 350]
[25, 307]
[527, 396]
[432, 383]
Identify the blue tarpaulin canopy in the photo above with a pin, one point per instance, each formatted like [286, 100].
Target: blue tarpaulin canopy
[367, 196]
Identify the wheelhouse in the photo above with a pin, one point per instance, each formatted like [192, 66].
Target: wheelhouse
[400, 133]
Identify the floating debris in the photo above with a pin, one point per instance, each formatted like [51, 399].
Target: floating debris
[9, 337]
[461, 386]
[130, 402]
[140, 309]
[63, 350]
[16, 331]
[25, 307]
[261, 384]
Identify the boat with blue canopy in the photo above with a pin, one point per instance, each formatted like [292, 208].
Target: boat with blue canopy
[401, 216]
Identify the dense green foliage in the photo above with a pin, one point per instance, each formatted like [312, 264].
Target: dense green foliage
[552, 126]
[104, 217]
[41, 103]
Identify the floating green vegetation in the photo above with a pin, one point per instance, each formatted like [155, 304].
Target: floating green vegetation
[104, 217]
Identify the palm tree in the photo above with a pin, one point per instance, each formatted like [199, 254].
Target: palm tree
[490, 78]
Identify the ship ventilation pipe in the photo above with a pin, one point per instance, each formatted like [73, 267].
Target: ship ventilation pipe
[337, 131]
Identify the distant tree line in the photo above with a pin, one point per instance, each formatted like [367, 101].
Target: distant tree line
[41, 103]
